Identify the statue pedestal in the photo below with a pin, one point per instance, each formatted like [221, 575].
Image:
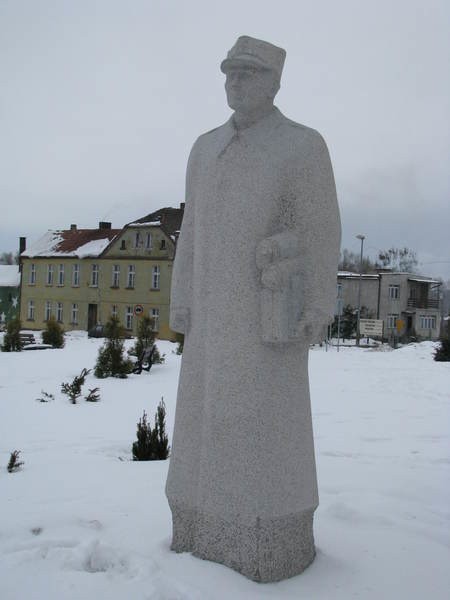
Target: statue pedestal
[267, 550]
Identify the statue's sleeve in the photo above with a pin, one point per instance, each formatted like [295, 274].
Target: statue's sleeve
[182, 276]
[318, 227]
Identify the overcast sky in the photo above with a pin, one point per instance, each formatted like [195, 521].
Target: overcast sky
[101, 101]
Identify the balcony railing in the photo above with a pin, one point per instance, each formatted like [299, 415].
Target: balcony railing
[420, 303]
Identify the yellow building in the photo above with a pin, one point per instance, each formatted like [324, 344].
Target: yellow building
[83, 276]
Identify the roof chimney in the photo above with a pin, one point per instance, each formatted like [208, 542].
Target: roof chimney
[104, 225]
[73, 227]
[22, 244]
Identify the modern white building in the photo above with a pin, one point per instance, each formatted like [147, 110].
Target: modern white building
[408, 304]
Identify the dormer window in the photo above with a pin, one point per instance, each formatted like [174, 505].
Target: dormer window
[163, 245]
[148, 241]
[123, 245]
[137, 239]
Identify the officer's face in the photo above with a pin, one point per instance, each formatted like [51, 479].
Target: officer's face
[248, 88]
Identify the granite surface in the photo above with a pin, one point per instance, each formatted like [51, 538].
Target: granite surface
[253, 285]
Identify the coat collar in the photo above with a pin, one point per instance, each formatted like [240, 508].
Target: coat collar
[230, 133]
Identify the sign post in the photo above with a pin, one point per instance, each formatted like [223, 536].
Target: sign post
[138, 310]
[371, 327]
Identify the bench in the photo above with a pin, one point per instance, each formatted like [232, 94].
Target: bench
[146, 358]
[26, 338]
[28, 342]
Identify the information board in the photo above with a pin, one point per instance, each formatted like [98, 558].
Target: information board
[371, 327]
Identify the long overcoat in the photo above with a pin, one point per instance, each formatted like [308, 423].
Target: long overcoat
[243, 443]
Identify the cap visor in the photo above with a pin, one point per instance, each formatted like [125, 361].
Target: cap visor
[241, 63]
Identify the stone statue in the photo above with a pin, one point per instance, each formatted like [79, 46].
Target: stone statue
[253, 286]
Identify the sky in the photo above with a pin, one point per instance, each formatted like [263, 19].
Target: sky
[101, 101]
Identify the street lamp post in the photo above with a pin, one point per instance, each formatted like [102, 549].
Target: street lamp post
[358, 325]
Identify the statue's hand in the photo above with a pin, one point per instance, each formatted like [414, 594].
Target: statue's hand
[267, 252]
[274, 277]
[275, 248]
[180, 319]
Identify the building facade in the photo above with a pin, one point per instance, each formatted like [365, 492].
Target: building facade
[408, 304]
[81, 277]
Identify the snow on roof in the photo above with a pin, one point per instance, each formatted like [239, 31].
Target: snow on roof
[45, 245]
[351, 274]
[80, 243]
[423, 279]
[151, 223]
[9, 276]
[93, 248]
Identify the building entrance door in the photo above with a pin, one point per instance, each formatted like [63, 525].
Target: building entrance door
[92, 316]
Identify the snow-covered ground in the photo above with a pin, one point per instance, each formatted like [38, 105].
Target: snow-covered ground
[82, 521]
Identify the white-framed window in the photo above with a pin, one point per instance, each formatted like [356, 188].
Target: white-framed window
[154, 315]
[49, 274]
[61, 274]
[115, 276]
[32, 279]
[74, 314]
[30, 311]
[129, 317]
[339, 290]
[114, 311]
[148, 241]
[59, 312]
[427, 321]
[394, 292]
[392, 321]
[137, 239]
[156, 275]
[47, 310]
[131, 276]
[76, 275]
[94, 275]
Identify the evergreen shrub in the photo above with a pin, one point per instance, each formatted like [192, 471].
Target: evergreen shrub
[93, 395]
[14, 463]
[73, 390]
[146, 338]
[111, 361]
[12, 341]
[442, 352]
[180, 343]
[53, 334]
[152, 443]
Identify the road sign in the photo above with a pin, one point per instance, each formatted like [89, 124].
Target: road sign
[138, 310]
[371, 327]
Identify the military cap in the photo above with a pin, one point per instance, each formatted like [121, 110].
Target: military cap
[248, 51]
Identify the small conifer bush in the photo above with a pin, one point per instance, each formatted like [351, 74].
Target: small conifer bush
[145, 339]
[73, 390]
[111, 361]
[46, 397]
[442, 352]
[180, 343]
[14, 463]
[53, 334]
[12, 341]
[152, 443]
[93, 395]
